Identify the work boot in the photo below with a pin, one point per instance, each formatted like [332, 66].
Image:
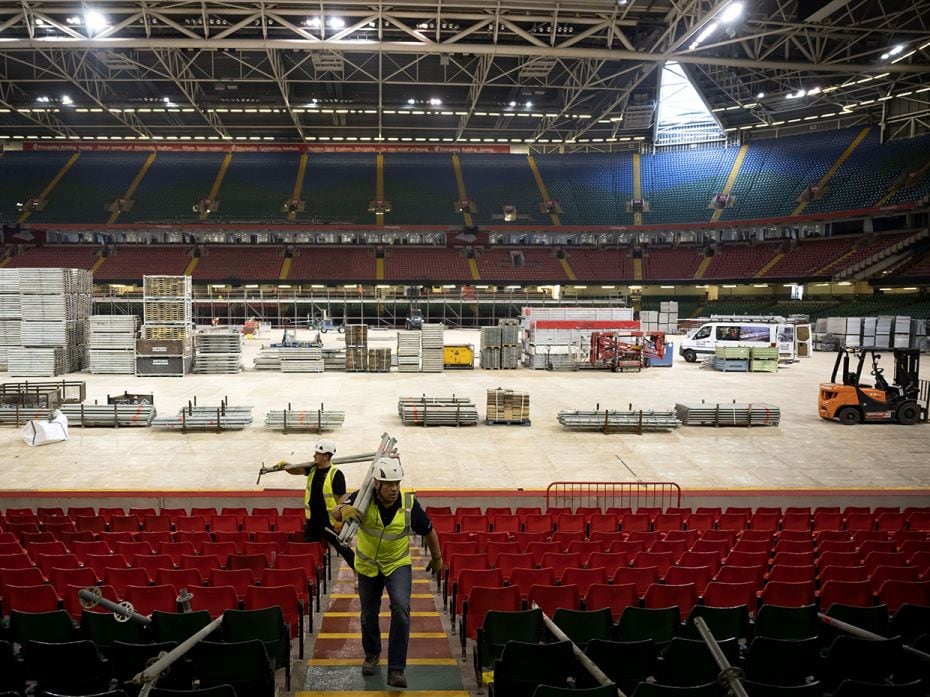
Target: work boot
[396, 678]
[370, 666]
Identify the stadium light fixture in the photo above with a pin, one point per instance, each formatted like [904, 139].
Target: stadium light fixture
[731, 12]
[95, 21]
[66, 100]
[529, 105]
[336, 23]
[411, 101]
[761, 95]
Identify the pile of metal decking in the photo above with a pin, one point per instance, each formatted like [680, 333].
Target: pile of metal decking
[315, 420]
[302, 360]
[611, 421]
[200, 418]
[113, 344]
[734, 414]
[431, 356]
[218, 353]
[437, 411]
[408, 351]
[113, 415]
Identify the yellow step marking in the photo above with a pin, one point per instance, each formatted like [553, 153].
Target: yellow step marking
[460, 185]
[836, 165]
[97, 264]
[567, 269]
[379, 263]
[344, 596]
[218, 182]
[298, 184]
[355, 662]
[191, 265]
[51, 185]
[379, 194]
[131, 191]
[414, 613]
[902, 183]
[473, 267]
[637, 186]
[705, 262]
[6, 260]
[638, 269]
[384, 635]
[836, 261]
[544, 192]
[285, 269]
[731, 179]
[352, 580]
[768, 265]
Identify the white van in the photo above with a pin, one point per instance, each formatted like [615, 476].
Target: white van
[705, 339]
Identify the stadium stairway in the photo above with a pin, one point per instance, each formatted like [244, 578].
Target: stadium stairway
[460, 187]
[731, 179]
[334, 669]
[825, 179]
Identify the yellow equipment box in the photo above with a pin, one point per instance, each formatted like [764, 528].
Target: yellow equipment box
[458, 356]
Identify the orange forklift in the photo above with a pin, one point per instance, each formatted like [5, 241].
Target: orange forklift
[849, 400]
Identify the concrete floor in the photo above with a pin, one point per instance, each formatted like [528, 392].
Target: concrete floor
[805, 452]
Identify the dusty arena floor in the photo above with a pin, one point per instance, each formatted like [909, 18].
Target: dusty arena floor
[804, 452]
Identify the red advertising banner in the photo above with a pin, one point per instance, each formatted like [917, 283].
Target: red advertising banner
[160, 146]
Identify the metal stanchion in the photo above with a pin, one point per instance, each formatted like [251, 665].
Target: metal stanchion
[580, 656]
[865, 634]
[732, 678]
[123, 612]
[148, 676]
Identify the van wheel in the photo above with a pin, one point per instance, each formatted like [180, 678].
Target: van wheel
[689, 355]
[908, 414]
[849, 416]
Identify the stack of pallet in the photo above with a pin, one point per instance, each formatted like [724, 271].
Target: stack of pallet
[10, 314]
[55, 305]
[764, 360]
[356, 348]
[437, 411]
[379, 360]
[113, 344]
[165, 346]
[431, 356]
[408, 351]
[731, 359]
[218, 353]
[508, 407]
[500, 345]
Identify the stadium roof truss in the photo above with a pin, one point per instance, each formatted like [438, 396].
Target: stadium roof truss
[581, 73]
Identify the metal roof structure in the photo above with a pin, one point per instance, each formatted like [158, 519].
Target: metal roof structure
[578, 73]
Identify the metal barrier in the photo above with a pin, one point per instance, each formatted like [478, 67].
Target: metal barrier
[865, 634]
[606, 495]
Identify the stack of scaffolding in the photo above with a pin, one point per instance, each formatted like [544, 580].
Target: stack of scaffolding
[10, 315]
[200, 418]
[728, 414]
[508, 407]
[334, 359]
[268, 359]
[55, 305]
[610, 421]
[379, 360]
[165, 347]
[557, 338]
[408, 351]
[885, 331]
[431, 356]
[113, 344]
[112, 415]
[315, 420]
[356, 348]
[500, 345]
[437, 411]
[301, 360]
[218, 353]
[763, 359]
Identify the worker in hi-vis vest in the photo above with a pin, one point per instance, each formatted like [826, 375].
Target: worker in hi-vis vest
[382, 560]
[326, 487]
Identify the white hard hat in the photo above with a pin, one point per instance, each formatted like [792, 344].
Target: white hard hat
[388, 469]
[325, 446]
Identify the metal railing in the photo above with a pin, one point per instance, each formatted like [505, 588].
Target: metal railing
[606, 495]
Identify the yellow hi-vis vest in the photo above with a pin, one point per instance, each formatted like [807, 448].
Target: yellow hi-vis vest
[328, 497]
[384, 549]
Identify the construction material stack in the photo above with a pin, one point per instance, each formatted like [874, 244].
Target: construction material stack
[113, 344]
[309, 420]
[500, 345]
[10, 314]
[55, 306]
[557, 338]
[218, 353]
[408, 351]
[734, 414]
[165, 348]
[731, 359]
[507, 407]
[356, 348]
[665, 319]
[379, 360]
[207, 418]
[431, 349]
[612, 421]
[437, 411]
[763, 360]
[883, 332]
[490, 356]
